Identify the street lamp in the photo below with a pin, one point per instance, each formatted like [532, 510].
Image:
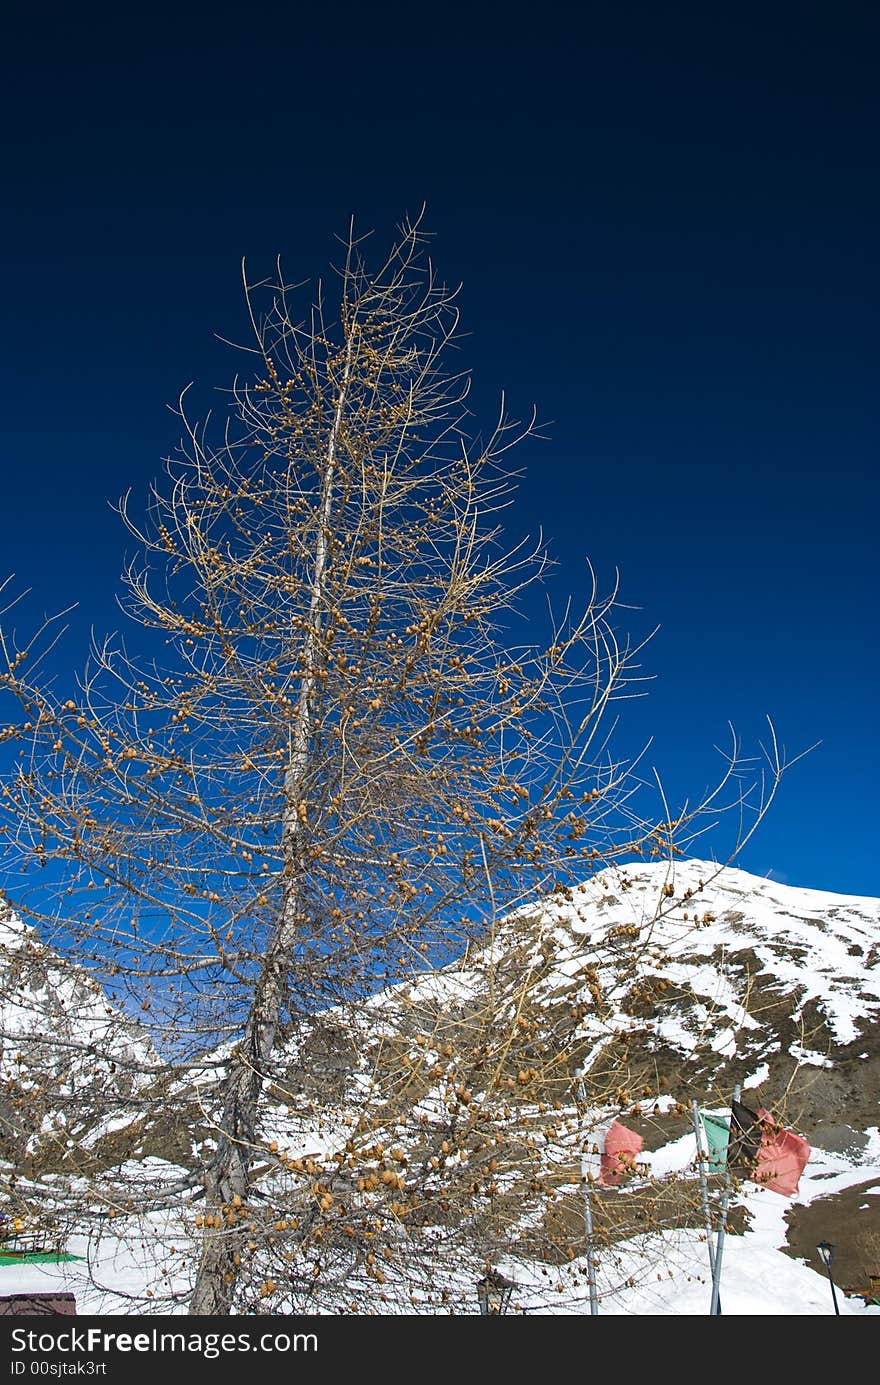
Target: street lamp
[494, 1291]
[826, 1255]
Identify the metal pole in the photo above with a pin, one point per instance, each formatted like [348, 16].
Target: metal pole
[591, 1250]
[704, 1185]
[715, 1309]
[590, 1244]
[833, 1292]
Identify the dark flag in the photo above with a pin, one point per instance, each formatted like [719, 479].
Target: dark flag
[765, 1152]
[746, 1134]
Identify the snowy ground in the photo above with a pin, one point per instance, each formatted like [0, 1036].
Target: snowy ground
[668, 1273]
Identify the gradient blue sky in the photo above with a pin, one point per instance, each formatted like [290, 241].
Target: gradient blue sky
[665, 219]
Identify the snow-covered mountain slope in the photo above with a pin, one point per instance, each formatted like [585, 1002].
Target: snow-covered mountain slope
[68, 1059]
[756, 982]
[647, 988]
[689, 978]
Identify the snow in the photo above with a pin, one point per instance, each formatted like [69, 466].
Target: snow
[757, 1280]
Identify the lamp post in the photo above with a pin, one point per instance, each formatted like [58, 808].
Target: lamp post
[826, 1255]
[493, 1292]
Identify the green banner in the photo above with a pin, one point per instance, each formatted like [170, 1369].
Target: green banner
[717, 1136]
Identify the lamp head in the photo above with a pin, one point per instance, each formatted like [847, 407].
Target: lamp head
[493, 1292]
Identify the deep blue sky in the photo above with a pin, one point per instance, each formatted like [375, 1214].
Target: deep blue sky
[665, 219]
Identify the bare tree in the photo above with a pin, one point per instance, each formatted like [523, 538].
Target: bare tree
[341, 764]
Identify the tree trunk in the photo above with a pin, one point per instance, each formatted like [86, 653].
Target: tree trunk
[227, 1177]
